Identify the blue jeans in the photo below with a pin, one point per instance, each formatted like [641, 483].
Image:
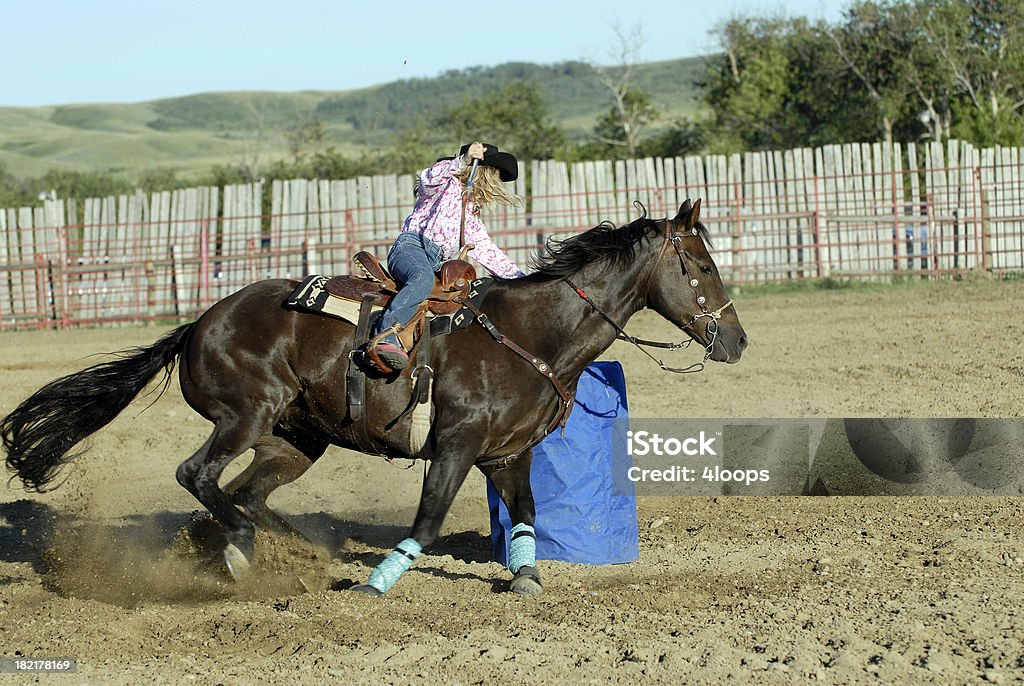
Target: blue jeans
[412, 260]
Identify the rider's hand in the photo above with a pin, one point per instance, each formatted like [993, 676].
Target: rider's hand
[475, 152]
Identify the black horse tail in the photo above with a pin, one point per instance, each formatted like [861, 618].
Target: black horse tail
[39, 435]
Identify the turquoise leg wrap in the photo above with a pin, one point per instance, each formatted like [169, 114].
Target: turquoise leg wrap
[398, 561]
[522, 551]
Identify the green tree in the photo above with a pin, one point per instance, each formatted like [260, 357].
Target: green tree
[777, 84]
[682, 138]
[619, 130]
[746, 83]
[223, 175]
[874, 45]
[787, 82]
[515, 118]
[922, 70]
[307, 139]
[160, 180]
[979, 47]
[889, 70]
[411, 152]
[617, 133]
[81, 185]
[13, 193]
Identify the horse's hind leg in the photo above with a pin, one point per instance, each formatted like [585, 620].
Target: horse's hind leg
[513, 484]
[200, 474]
[277, 462]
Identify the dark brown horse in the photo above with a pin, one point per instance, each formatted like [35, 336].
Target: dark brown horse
[274, 380]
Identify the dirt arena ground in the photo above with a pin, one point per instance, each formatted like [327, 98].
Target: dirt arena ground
[753, 589]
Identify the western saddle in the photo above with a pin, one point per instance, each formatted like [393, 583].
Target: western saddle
[454, 279]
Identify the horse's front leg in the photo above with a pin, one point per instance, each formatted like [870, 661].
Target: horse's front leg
[444, 478]
[513, 484]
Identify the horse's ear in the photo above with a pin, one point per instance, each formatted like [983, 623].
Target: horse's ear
[688, 214]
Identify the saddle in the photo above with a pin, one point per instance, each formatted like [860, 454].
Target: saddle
[452, 280]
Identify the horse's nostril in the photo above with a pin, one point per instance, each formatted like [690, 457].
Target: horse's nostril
[743, 342]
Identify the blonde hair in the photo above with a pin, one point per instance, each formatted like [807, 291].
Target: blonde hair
[488, 188]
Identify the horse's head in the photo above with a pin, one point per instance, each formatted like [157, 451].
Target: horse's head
[685, 287]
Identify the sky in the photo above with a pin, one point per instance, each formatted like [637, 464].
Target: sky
[115, 51]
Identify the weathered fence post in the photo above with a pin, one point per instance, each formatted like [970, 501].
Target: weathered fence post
[204, 264]
[986, 247]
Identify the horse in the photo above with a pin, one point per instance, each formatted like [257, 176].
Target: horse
[274, 380]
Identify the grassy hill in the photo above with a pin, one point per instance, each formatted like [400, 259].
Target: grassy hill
[191, 134]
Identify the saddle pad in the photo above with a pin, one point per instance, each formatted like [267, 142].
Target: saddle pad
[311, 296]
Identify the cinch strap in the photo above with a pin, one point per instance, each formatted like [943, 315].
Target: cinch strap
[398, 561]
[522, 551]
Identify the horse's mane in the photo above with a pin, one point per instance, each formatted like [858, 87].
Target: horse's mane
[603, 243]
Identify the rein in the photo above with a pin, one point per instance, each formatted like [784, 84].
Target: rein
[542, 367]
[466, 194]
[674, 239]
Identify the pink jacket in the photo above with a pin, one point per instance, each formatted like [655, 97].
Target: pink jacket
[438, 215]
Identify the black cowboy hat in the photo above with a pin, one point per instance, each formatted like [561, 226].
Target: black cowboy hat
[504, 162]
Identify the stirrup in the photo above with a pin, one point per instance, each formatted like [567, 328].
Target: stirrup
[376, 361]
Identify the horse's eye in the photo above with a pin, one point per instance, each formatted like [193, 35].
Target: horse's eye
[706, 269]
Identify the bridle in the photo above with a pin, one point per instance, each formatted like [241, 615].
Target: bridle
[567, 399]
[675, 240]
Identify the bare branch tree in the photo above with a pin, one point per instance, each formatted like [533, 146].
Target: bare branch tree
[631, 111]
[253, 147]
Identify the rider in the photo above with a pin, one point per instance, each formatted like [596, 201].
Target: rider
[431, 234]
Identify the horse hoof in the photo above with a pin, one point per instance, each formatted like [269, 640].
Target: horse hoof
[526, 582]
[367, 589]
[237, 562]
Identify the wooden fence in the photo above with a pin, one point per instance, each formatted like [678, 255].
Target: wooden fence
[841, 211]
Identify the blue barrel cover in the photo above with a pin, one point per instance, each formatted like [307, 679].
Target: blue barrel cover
[579, 519]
